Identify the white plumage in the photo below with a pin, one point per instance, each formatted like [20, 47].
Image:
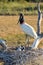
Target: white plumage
[20, 48]
[29, 30]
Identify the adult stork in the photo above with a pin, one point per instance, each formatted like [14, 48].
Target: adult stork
[28, 29]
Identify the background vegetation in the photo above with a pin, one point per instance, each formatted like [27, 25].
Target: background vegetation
[21, 0]
[14, 7]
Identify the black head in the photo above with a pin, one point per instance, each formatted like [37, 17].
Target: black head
[21, 14]
[21, 18]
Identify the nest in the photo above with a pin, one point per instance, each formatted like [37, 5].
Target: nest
[23, 57]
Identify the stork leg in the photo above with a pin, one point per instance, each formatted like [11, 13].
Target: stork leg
[27, 40]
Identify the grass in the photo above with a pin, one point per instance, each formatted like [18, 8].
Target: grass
[12, 33]
[11, 8]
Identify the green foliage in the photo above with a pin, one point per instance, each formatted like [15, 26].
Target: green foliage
[34, 0]
[25, 7]
[21, 0]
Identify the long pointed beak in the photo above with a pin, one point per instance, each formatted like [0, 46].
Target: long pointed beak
[17, 22]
